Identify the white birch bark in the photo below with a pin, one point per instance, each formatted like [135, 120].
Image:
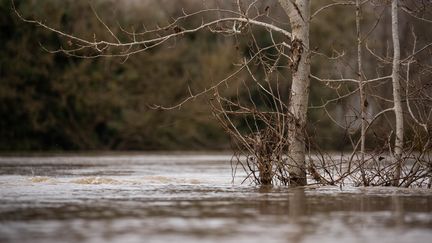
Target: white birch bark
[397, 94]
[298, 12]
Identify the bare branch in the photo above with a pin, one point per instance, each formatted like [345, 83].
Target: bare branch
[102, 45]
[349, 79]
[349, 3]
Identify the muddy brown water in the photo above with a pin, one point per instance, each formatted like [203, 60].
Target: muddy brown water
[190, 197]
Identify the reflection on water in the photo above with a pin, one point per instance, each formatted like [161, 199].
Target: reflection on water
[190, 198]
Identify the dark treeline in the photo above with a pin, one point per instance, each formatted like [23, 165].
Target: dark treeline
[49, 101]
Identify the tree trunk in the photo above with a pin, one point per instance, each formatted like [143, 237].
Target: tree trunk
[397, 95]
[362, 94]
[298, 12]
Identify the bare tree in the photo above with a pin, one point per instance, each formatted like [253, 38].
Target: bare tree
[299, 15]
[361, 91]
[229, 22]
[399, 139]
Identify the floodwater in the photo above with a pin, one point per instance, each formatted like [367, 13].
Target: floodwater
[191, 198]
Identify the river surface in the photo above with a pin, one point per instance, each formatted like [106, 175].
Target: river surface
[190, 197]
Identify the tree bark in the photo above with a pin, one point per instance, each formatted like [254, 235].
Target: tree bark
[397, 94]
[298, 12]
[362, 94]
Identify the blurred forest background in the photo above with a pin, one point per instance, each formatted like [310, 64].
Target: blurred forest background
[55, 102]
